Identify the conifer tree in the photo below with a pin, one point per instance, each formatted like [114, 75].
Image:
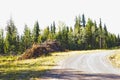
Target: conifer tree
[46, 34]
[36, 31]
[1, 41]
[27, 38]
[11, 38]
[83, 21]
[100, 35]
[89, 37]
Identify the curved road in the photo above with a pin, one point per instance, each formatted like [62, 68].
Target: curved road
[91, 63]
[91, 66]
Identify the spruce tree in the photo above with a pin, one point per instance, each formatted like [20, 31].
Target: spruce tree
[36, 31]
[83, 21]
[89, 36]
[1, 41]
[100, 35]
[46, 34]
[27, 38]
[77, 32]
[11, 38]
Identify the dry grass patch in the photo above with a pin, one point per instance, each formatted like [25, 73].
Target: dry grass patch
[115, 58]
[11, 68]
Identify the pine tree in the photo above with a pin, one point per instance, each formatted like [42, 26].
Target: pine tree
[1, 41]
[105, 30]
[53, 28]
[118, 40]
[46, 34]
[11, 38]
[83, 21]
[77, 32]
[70, 39]
[52, 33]
[100, 24]
[77, 25]
[36, 31]
[89, 36]
[100, 35]
[27, 38]
[96, 35]
[62, 34]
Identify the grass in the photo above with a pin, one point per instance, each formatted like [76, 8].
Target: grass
[12, 69]
[115, 58]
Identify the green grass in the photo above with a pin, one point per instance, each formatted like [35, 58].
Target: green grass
[12, 69]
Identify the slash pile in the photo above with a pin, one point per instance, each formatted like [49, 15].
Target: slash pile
[38, 50]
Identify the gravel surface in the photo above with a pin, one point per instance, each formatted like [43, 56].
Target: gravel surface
[92, 66]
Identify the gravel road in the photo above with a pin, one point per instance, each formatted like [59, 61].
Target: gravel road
[91, 66]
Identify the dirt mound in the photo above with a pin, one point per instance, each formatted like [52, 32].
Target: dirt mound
[42, 49]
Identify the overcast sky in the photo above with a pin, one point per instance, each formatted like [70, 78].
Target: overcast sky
[47, 11]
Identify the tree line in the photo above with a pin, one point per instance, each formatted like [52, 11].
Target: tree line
[85, 34]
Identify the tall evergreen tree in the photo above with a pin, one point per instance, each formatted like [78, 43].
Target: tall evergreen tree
[1, 41]
[27, 38]
[70, 39]
[46, 34]
[11, 38]
[100, 35]
[89, 36]
[105, 30]
[36, 31]
[83, 21]
[77, 32]
[96, 35]
[100, 24]
[118, 40]
[77, 25]
[52, 33]
[62, 35]
[53, 28]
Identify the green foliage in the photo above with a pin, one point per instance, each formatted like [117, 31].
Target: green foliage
[83, 35]
[36, 31]
[46, 34]
[62, 34]
[27, 37]
[83, 21]
[11, 38]
[1, 41]
[89, 35]
[53, 28]
[77, 25]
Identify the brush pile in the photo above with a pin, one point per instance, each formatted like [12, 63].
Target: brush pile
[38, 50]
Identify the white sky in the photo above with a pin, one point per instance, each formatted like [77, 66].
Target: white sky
[47, 11]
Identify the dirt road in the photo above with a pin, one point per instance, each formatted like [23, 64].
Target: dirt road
[91, 66]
